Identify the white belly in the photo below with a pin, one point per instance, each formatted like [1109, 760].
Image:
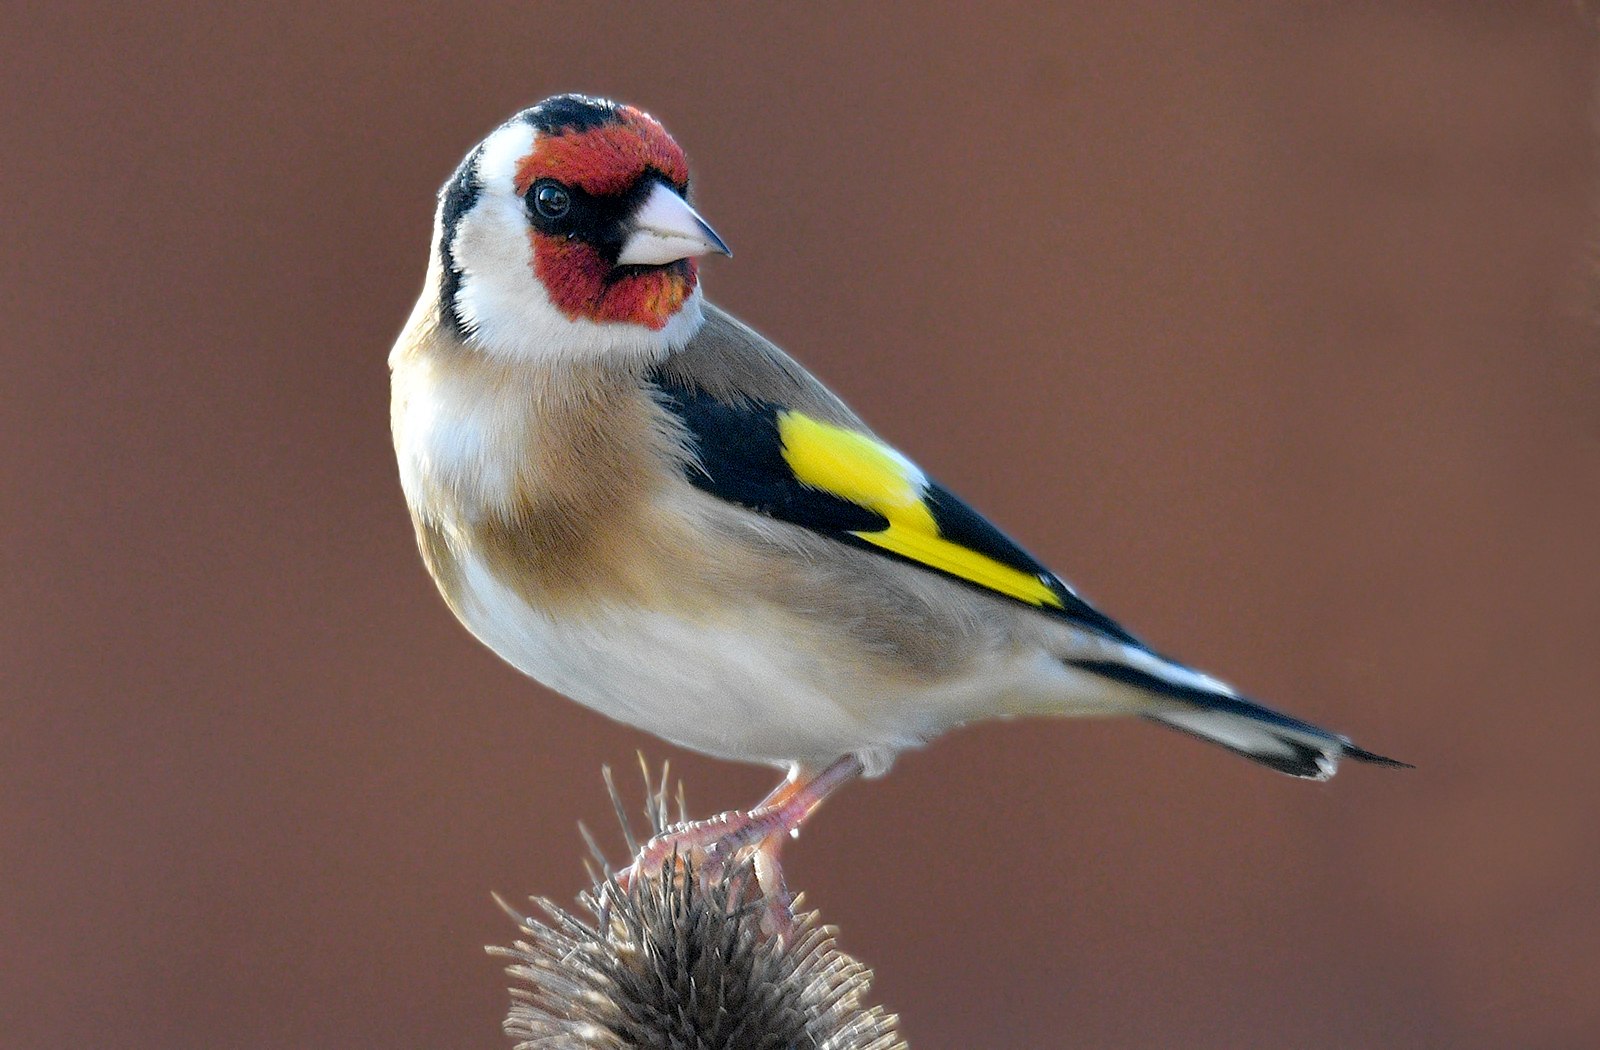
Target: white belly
[735, 692]
[752, 686]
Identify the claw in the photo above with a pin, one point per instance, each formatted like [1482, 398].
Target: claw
[713, 850]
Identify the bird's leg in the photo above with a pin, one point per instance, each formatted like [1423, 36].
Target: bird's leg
[777, 903]
[778, 818]
[769, 875]
[711, 845]
[798, 778]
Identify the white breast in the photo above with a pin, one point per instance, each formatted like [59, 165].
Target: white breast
[457, 439]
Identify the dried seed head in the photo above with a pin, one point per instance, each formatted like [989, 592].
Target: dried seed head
[685, 963]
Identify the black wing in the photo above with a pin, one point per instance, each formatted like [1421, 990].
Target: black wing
[845, 484]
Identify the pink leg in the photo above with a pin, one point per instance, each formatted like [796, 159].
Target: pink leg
[798, 778]
[711, 845]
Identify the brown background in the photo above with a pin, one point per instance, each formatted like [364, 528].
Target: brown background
[1266, 325]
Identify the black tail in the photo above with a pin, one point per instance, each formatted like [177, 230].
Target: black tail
[1207, 711]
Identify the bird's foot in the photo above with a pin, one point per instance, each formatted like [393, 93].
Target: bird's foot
[740, 848]
[741, 845]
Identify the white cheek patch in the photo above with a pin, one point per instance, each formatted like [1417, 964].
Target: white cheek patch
[503, 151]
[498, 292]
[500, 298]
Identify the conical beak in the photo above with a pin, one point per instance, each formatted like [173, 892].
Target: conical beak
[665, 229]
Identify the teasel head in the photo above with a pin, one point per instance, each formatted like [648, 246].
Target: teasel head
[684, 961]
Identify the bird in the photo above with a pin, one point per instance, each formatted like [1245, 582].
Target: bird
[642, 503]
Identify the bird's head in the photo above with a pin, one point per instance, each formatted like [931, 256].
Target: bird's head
[568, 233]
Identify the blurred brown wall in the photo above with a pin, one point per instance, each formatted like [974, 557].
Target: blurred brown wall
[1263, 322]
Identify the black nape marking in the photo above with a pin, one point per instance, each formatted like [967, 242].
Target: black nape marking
[561, 113]
[455, 200]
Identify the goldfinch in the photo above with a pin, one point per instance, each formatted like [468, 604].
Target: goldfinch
[642, 503]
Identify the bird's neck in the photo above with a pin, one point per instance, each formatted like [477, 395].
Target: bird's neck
[480, 437]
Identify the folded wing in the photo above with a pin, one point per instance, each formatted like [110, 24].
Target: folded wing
[839, 481]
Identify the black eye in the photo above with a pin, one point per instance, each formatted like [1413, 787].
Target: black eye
[551, 199]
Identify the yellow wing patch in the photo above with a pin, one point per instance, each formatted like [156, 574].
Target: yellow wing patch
[869, 474]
